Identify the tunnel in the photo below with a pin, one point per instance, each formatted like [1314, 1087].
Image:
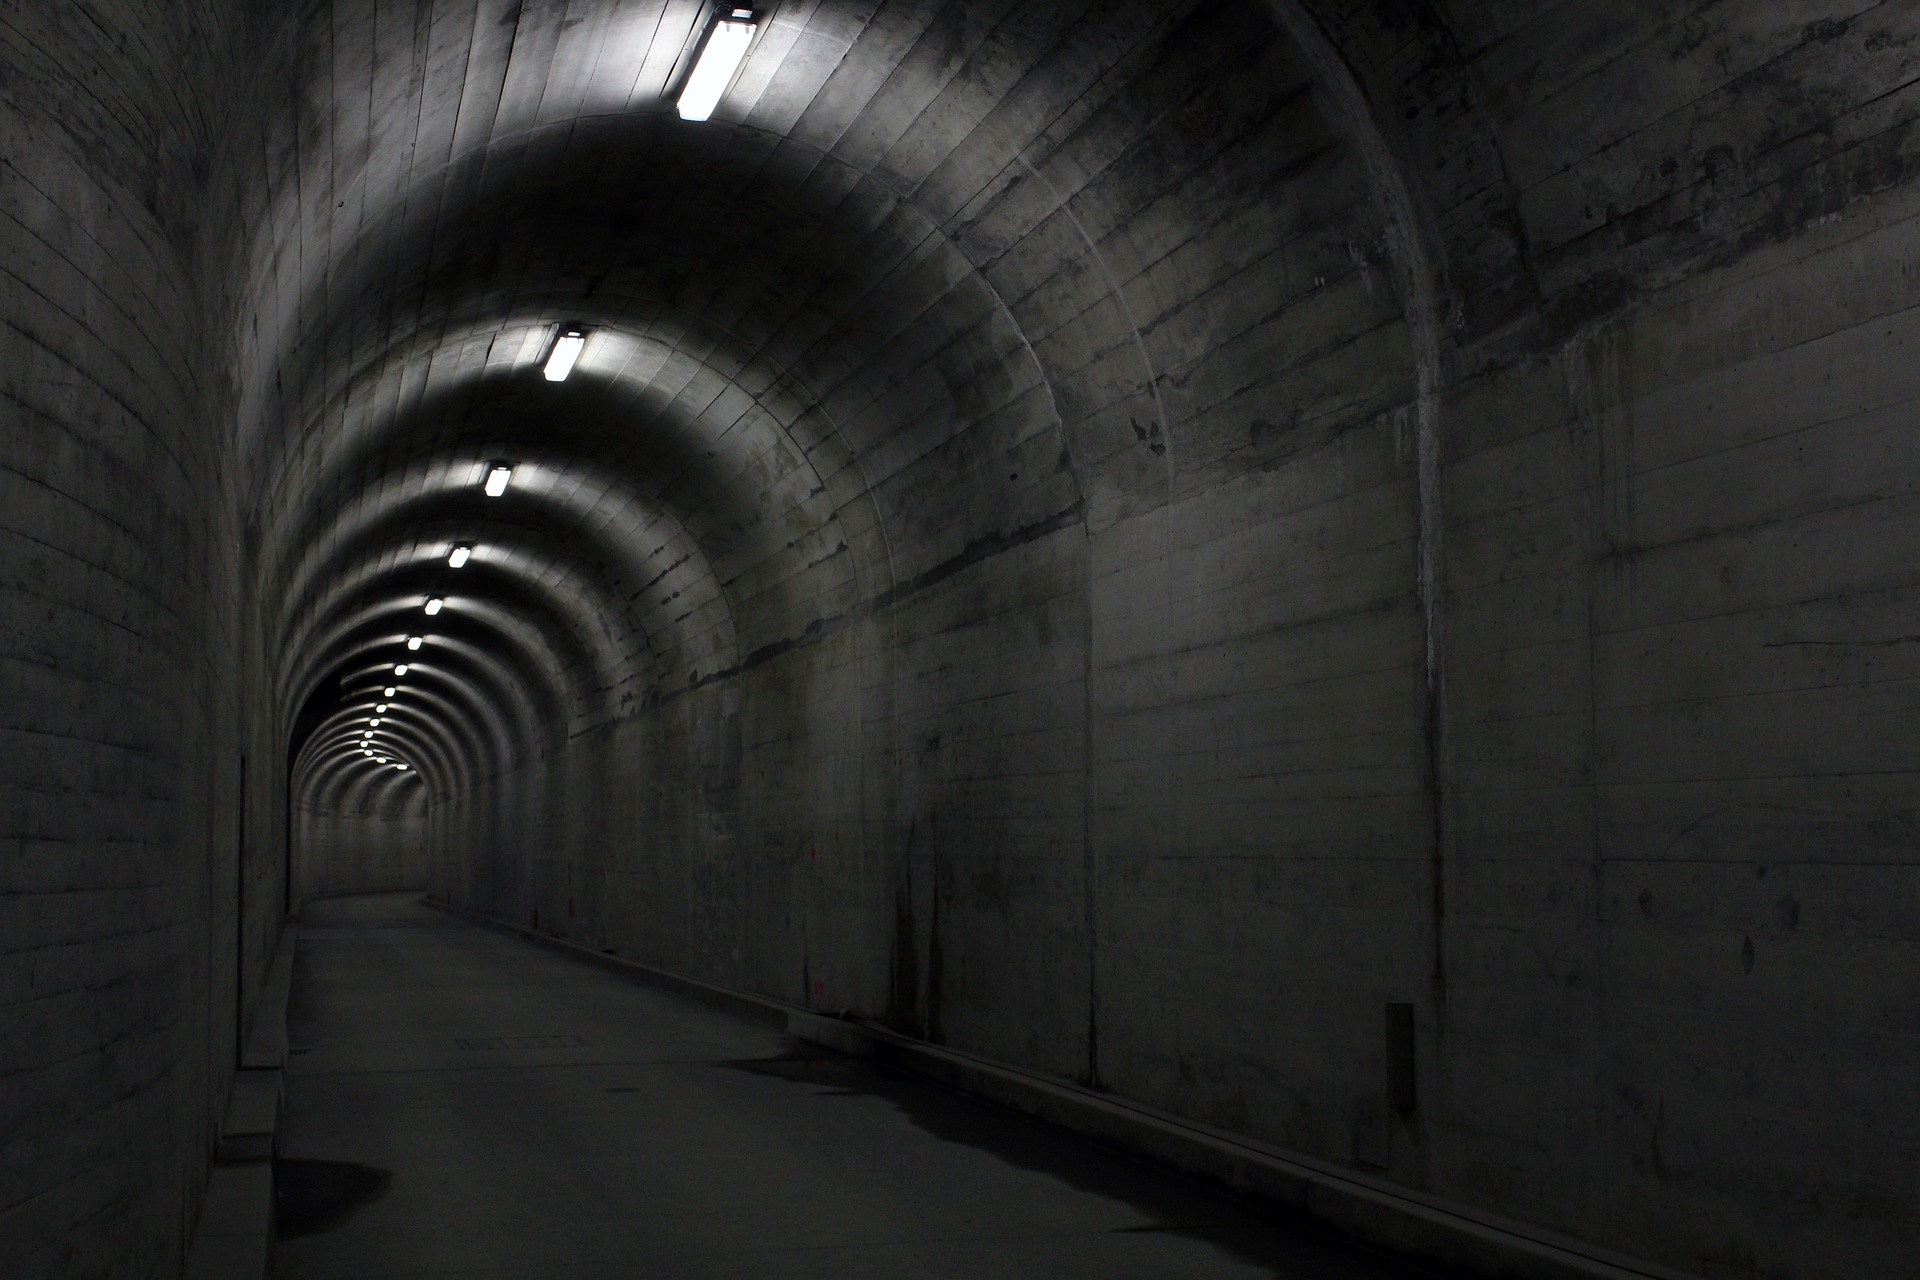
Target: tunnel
[1310, 592]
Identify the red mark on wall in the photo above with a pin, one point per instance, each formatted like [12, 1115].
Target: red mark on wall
[813, 853]
[819, 989]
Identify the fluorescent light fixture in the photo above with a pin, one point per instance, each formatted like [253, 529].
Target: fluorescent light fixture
[414, 642]
[391, 691]
[566, 350]
[400, 766]
[400, 669]
[366, 753]
[381, 759]
[719, 59]
[497, 480]
[382, 708]
[374, 721]
[459, 556]
[435, 605]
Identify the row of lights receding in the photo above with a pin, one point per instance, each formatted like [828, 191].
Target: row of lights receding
[392, 691]
[499, 476]
[367, 747]
[567, 346]
[373, 722]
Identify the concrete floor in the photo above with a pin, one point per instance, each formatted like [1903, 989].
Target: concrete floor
[462, 1104]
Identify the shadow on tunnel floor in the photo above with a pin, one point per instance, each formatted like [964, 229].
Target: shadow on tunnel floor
[312, 1196]
[1263, 1235]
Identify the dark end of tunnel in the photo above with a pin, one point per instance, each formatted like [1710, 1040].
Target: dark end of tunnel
[313, 1196]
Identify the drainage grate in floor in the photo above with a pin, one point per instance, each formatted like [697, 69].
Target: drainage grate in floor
[524, 1042]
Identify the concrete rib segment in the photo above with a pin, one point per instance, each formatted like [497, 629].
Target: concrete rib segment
[464, 1105]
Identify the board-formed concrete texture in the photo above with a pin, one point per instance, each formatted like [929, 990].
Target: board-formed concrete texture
[1348, 570]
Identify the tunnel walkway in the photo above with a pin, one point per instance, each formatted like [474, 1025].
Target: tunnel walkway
[462, 1104]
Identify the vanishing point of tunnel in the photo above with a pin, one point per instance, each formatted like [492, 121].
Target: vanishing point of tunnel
[948, 638]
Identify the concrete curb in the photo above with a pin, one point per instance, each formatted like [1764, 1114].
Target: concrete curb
[1370, 1210]
[233, 1239]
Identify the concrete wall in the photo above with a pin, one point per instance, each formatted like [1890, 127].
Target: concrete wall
[122, 661]
[1676, 761]
[1679, 766]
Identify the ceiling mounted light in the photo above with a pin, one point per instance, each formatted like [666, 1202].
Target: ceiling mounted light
[459, 556]
[566, 349]
[497, 479]
[400, 669]
[374, 721]
[391, 691]
[435, 605]
[382, 708]
[381, 759]
[414, 642]
[719, 58]
[400, 766]
[366, 753]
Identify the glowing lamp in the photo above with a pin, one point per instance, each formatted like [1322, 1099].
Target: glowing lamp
[566, 349]
[719, 58]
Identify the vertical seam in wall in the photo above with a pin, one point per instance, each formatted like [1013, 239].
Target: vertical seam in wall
[1593, 356]
[1420, 301]
[1089, 860]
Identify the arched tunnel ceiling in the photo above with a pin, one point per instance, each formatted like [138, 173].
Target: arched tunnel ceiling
[1197, 511]
[916, 242]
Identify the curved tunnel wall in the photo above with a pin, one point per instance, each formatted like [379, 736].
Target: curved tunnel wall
[1120, 540]
[133, 768]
